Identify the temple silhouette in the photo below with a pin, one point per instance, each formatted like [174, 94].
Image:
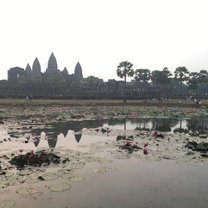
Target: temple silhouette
[54, 82]
[31, 74]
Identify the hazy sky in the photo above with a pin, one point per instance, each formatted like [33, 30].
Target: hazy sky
[99, 34]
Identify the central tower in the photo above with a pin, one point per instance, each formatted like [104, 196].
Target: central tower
[52, 64]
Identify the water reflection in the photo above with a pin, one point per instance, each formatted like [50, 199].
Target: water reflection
[194, 124]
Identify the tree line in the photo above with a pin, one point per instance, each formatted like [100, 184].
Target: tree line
[194, 82]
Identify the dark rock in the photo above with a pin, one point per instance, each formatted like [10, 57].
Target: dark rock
[204, 155]
[120, 137]
[41, 178]
[191, 145]
[123, 137]
[203, 136]
[2, 173]
[6, 157]
[65, 160]
[201, 147]
[190, 153]
[35, 159]
[103, 130]
[130, 147]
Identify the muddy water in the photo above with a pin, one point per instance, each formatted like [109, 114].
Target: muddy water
[130, 183]
[106, 175]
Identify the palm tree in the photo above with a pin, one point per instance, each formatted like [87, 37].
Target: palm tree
[181, 75]
[124, 70]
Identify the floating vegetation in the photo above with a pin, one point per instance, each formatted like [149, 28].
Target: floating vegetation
[59, 187]
[102, 170]
[103, 160]
[77, 165]
[49, 176]
[28, 191]
[67, 175]
[90, 159]
[77, 179]
[7, 204]
[32, 179]
[4, 184]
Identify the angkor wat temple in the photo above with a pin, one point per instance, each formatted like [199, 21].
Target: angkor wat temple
[56, 83]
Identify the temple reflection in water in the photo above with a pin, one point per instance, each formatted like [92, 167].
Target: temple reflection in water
[73, 129]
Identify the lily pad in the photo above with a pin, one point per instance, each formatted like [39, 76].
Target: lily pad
[49, 176]
[7, 204]
[32, 179]
[77, 179]
[59, 187]
[102, 170]
[27, 191]
[67, 175]
[77, 165]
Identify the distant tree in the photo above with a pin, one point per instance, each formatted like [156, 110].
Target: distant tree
[142, 75]
[165, 76]
[181, 75]
[203, 76]
[203, 81]
[93, 82]
[156, 80]
[156, 77]
[125, 70]
[193, 81]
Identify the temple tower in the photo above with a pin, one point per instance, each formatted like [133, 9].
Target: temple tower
[36, 69]
[78, 71]
[28, 68]
[65, 72]
[52, 64]
[28, 71]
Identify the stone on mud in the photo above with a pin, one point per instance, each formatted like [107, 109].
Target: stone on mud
[35, 159]
[199, 147]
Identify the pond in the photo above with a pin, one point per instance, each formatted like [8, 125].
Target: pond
[97, 172]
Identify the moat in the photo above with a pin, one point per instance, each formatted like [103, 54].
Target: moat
[96, 168]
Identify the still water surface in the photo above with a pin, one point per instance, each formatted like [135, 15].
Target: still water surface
[131, 182]
[73, 129]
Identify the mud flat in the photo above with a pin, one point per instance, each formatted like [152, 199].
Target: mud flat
[110, 156]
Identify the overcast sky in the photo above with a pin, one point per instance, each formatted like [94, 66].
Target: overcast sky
[99, 34]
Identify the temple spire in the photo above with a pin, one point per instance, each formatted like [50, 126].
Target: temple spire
[78, 71]
[28, 68]
[65, 71]
[36, 66]
[52, 63]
